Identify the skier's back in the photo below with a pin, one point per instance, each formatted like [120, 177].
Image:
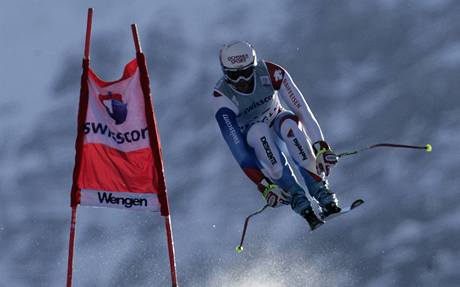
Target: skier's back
[252, 120]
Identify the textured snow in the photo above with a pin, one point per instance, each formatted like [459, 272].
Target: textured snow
[372, 72]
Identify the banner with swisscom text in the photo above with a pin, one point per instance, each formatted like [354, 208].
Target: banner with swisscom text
[116, 167]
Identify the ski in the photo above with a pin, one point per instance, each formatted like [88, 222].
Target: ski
[354, 205]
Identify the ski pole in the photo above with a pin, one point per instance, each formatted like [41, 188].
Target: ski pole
[239, 248]
[426, 147]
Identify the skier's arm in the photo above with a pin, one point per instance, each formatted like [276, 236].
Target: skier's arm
[225, 115]
[291, 95]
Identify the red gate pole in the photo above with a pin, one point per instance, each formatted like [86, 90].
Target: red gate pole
[156, 148]
[83, 106]
[89, 23]
[172, 260]
[71, 246]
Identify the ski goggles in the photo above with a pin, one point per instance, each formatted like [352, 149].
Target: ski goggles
[237, 75]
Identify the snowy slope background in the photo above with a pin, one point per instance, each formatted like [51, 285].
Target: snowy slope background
[372, 71]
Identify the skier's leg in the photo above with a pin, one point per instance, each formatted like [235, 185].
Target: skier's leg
[299, 147]
[274, 164]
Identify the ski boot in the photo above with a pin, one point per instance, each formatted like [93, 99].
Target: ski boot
[327, 201]
[329, 209]
[312, 219]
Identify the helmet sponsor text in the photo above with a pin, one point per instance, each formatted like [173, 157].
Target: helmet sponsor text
[238, 59]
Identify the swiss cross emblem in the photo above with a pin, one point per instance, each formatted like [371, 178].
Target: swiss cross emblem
[278, 75]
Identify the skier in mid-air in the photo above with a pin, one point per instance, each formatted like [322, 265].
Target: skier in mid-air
[255, 125]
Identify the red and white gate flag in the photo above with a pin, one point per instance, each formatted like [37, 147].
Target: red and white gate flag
[117, 165]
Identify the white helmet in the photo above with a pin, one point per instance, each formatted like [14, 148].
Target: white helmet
[238, 60]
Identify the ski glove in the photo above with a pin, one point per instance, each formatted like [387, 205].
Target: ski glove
[273, 194]
[325, 157]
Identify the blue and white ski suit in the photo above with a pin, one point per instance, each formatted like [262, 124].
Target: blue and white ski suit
[255, 125]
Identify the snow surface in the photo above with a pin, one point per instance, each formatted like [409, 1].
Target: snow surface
[372, 71]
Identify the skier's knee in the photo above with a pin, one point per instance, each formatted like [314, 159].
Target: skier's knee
[286, 120]
[289, 124]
